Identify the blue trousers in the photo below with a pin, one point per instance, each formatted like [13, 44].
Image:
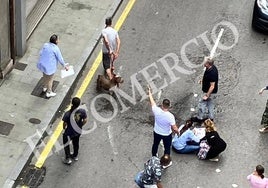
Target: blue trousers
[188, 149]
[166, 140]
[138, 180]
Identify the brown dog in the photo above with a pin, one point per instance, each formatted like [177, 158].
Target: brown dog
[106, 84]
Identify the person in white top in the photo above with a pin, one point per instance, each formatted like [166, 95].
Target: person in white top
[110, 48]
[163, 125]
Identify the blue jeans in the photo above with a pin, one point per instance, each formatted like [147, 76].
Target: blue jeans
[188, 149]
[138, 179]
[205, 107]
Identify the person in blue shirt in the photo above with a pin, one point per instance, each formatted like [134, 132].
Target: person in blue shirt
[186, 141]
[50, 56]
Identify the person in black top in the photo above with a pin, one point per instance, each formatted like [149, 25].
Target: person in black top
[216, 143]
[73, 120]
[209, 87]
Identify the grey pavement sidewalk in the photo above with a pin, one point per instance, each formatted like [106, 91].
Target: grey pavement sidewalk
[79, 27]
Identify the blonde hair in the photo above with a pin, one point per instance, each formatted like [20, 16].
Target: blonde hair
[209, 125]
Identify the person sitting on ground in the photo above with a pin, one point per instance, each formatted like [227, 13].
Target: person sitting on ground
[151, 175]
[186, 141]
[216, 143]
[257, 179]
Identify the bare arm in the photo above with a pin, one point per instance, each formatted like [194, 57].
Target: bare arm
[106, 43]
[262, 89]
[210, 90]
[159, 185]
[151, 97]
[118, 44]
[175, 129]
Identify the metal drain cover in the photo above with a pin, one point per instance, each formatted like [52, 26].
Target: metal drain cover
[34, 121]
[32, 176]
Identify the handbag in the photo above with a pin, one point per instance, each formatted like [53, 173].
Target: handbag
[204, 148]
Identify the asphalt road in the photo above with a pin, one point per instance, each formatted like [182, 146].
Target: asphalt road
[155, 35]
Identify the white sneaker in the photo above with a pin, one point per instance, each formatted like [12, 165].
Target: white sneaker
[214, 159]
[170, 163]
[263, 130]
[74, 158]
[67, 161]
[50, 94]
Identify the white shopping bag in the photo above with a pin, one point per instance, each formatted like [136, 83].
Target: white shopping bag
[66, 73]
[199, 132]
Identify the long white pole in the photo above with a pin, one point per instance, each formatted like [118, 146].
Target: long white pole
[213, 50]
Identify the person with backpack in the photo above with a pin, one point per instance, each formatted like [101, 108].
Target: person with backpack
[73, 120]
[150, 177]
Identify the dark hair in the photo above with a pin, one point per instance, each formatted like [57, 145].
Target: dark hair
[187, 125]
[165, 160]
[108, 21]
[260, 170]
[166, 103]
[53, 39]
[75, 103]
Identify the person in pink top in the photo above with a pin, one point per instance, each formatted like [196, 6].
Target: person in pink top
[257, 179]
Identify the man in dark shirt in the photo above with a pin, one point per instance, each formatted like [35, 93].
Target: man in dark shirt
[209, 87]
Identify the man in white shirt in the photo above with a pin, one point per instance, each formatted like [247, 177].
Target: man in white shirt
[110, 48]
[163, 125]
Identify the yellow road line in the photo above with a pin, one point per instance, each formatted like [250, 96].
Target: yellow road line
[54, 137]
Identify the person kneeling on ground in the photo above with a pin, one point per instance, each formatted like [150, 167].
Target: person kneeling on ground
[216, 143]
[186, 141]
[151, 175]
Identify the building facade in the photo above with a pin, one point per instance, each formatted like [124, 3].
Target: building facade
[5, 49]
[16, 27]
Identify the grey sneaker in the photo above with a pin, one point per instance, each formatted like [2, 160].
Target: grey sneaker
[67, 161]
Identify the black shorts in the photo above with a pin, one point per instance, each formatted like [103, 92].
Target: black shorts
[106, 61]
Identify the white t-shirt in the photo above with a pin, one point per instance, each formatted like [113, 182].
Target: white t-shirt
[163, 121]
[111, 35]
